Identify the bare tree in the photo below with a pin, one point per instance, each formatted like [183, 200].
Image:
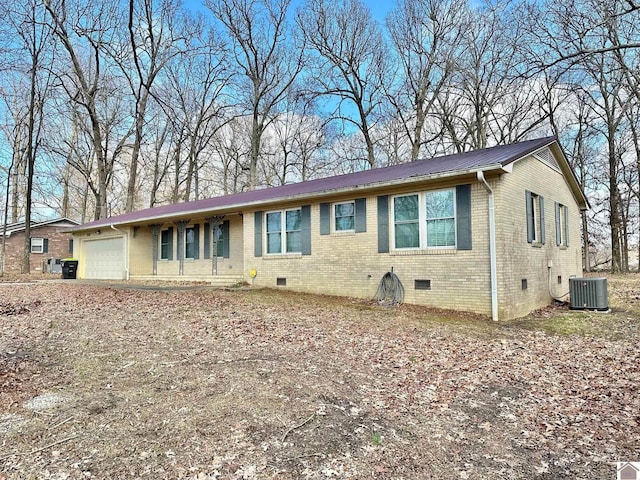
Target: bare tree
[350, 62]
[93, 26]
[156, 35]
[267, 61]
[425, 35]
[194, 100]
[487, 100]
[33, 57]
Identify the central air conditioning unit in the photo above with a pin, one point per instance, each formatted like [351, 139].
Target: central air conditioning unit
[588, 294]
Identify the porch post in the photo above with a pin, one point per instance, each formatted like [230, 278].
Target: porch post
[215, 223]
[181, 226]
[155, 233]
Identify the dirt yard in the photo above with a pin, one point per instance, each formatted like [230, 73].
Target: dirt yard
[104, 382]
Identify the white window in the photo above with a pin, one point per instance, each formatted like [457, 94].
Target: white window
[344, 215]
[37, 245]
[425, 220]
[535, 218]
[284, 231]
[562, 225]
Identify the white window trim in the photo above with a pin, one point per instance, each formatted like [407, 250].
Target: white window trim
[422, 221]
[333, 217]
[37, 242]
[283, 232]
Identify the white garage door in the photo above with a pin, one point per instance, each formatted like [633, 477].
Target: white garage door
[104, 259]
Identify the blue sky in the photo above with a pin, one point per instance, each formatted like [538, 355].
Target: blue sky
[379, 8]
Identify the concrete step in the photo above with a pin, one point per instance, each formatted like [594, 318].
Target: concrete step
[216, 280]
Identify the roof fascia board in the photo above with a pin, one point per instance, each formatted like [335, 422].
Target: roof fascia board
[239, 207]
[567, 171]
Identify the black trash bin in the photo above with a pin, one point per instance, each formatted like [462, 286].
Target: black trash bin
[69, 268]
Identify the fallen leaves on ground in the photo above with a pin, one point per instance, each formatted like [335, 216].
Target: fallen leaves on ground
[210, 384]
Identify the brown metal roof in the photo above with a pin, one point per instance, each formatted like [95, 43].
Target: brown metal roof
[448, 165]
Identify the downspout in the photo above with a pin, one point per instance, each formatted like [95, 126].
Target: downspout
[126, 251]
[492, 247]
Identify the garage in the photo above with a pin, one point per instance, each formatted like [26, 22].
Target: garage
[104, 259]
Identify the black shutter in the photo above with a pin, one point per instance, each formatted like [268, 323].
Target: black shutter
[383, 224]
[257, 234]
[305, 213]
[207, 241]
[225, 239]
[361, 214]
[542, 227]
[196, 241]
[531, 228]
[325, 218]
[463, 217]
[45, 245]
[71, 246]
[170, 243]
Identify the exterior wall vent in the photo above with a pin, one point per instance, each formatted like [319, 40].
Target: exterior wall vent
[546, 157]
[281, 281]
[422, 284]
[588, 294]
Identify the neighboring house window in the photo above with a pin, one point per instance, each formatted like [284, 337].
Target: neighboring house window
[71, 246]
[425, 220]
[535, 218]
[220, 242]
[284, 231]
[165, 244]
[39, 245]
[189, 242]
[344, 216]
[562, 225]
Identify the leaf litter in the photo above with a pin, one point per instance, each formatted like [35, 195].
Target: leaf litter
[213, 384]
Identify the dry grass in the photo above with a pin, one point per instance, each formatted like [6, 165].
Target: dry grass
[207, 384]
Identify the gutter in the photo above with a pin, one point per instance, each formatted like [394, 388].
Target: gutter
[320, 194]
[492, 247]
[126, 250]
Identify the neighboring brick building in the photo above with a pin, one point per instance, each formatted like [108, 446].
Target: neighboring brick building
[51, 240]
[494, 231]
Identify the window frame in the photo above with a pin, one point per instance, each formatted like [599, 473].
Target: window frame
[283, 232]
[167, 244]
[34, 243]
[195, 242]
[422, 221]
[535, 213]
[535, 219]
[562, 225]
[334, 217]
[219, 241]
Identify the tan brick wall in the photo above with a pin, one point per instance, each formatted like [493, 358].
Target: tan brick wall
[350, 265]
[140, 251]
[518, 259]
[58, 248]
